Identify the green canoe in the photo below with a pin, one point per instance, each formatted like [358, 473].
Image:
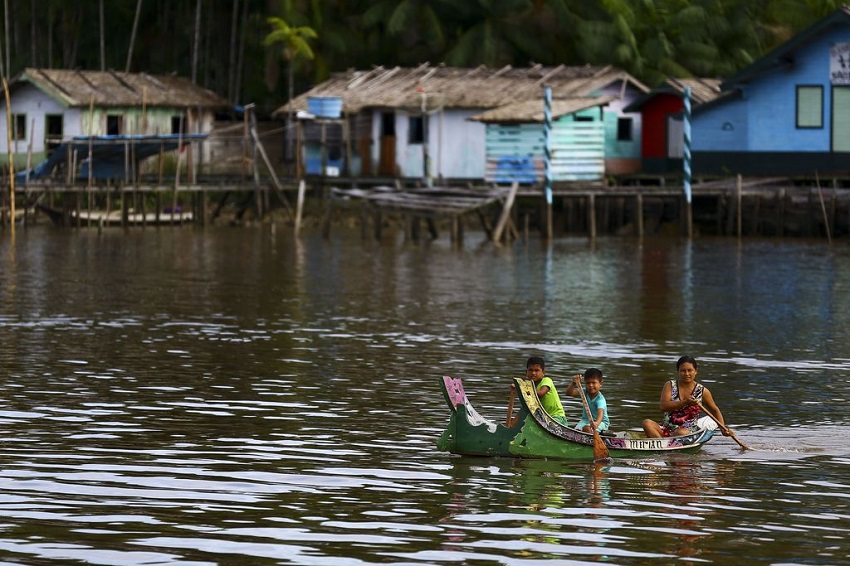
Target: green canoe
[535, 434]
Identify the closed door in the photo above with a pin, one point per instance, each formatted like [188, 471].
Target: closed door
[841, 118]
[675, 137]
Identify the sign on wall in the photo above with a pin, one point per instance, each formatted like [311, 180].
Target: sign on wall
[839, 64]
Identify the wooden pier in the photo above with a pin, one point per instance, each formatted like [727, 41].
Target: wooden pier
[724, 207]
[775, 207]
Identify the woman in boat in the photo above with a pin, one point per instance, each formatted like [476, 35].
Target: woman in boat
[535, 370]
[680, 401]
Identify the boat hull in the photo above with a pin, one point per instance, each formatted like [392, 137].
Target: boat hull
[534, 434]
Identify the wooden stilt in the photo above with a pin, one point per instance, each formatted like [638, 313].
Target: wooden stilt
[506, 211]
[432, 229]
[364, 220]
[754, 227]
[738, 212]
[415, 225]
[591, 216]
[379, 224]
[326, 221]
[639, 215]
[299, 206]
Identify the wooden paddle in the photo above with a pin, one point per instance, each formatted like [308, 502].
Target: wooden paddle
[509, 421]
[723, 427]
[600, 451]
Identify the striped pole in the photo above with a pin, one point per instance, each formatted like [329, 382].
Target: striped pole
[686, 160]
[547, 155]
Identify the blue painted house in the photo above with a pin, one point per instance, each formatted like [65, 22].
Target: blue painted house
[787, 113]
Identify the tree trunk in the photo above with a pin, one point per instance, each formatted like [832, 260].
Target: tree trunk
[133, 36]
[33, 36]
[231, 68]
[196, 47]
[241, 60]
[102, 37]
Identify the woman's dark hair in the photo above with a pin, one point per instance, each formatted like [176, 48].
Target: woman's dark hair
[535, 360]
[685, 360]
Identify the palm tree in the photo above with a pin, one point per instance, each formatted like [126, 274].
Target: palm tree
[295, 41]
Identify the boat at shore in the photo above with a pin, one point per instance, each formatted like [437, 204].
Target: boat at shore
[533, 433]
[116, 217]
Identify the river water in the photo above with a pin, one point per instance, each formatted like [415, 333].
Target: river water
[240, 396]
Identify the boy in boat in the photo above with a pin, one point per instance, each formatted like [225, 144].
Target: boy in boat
[595, 401]
[535, 370]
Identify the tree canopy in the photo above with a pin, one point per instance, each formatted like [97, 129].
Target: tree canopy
[222, 44]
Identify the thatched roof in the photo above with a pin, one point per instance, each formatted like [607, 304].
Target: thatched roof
[531, 111]
[478, 88]
[109, 88]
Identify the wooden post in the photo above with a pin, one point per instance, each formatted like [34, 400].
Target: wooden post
[202, 206]
[718, 210]
[124, 211]
[177, 169]
[108, 199]
[299, 207]
[364, 219]
[823, 209]
[591, 216]
[738, 188]
[9, 127]
[378, 220]
[432, 228]
[639, 214]
[326, 221]
[506, 211]
[525, 227]
[754, 227]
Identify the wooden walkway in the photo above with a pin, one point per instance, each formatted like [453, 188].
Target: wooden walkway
[428, 203]
[729, 206]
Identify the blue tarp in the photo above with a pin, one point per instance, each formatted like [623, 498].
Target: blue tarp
[109, 155]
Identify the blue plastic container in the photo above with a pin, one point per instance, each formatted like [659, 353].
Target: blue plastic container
[325, 106]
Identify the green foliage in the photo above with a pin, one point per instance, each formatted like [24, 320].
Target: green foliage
[652, 39]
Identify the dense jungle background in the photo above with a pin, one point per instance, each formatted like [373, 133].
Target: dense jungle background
[222, 44]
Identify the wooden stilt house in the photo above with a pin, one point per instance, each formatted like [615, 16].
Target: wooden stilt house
[415, 122]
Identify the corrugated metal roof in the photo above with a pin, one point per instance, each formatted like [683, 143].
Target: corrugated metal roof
[454, 87]
[530, 111]
[702, 90]
[75, 88]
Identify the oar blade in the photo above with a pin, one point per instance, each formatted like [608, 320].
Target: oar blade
[600, 451]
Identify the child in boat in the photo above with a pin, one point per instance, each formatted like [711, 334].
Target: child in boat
[595, 400]
[535, 370]
[680, 400]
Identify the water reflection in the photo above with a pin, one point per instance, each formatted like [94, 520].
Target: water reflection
[214, 396]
